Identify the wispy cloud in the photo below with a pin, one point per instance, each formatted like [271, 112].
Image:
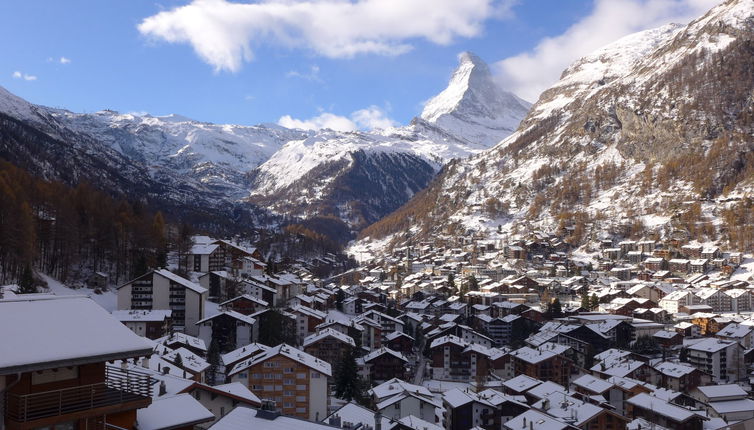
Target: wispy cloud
[26, 77]
[61, 60]
[530, 73]
[223, 33]
[311, 75]
[369, 118]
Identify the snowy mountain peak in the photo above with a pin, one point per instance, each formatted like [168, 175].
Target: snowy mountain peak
[473, 106]
[471, 73]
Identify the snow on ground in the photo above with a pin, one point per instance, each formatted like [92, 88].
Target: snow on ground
[367, 249]
[745, 272]
[108, 299]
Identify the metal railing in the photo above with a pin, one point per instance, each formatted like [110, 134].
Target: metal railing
[120, 386]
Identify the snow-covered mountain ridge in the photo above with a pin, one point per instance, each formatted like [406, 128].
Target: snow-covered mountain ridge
[649, 135]
[293, 173]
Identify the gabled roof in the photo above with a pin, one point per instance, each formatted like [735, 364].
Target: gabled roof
[62, 331]
[288, 352]
[234, 390]
[246, 297]
[232, 314]
[382, 351]
[172, 412]
[329, 332]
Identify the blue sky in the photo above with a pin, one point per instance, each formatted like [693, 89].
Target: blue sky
[90, 55]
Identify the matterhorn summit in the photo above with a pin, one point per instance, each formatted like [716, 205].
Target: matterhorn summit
[473, 106]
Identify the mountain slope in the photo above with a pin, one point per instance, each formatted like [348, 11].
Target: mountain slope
[361, 177]
[652, 134]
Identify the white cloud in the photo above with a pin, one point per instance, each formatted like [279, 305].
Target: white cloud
[363, 119]
[325, 120]
[223, 33]
[530, 73]
[372, 118]
[24, 76]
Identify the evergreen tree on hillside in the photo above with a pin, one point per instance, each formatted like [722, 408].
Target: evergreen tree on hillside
[26, 282]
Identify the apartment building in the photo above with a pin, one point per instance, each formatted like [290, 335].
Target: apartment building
[293, 379]
[162, 289]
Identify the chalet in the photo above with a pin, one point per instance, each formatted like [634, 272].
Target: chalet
[190, 366]
[465, 410]
[229, 329]
[177, 340]
[164, 290]
[664, 413]
[397, 399]
[691, 251]
[655, 264]
[329, 345]
[221, 399]
[679, 266]
[146, 323]
[307, 320]
[245, 304]
[259, 290]
[230, 359]
[383, 364]
[680, 377]
[546, 363]
[401, 342]
[56, 352]
[220, 284]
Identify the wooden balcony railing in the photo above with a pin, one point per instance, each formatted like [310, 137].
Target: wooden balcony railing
[120, 386]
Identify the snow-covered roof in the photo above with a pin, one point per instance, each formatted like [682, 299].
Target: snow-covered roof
[661, 407]
[183, 339]
[355, 414]
[535, 420]
[57, 331]
[521, 383]
[242, 418]
[674, 370]
[382, 351]
[731, 406]
[246, 297]
[288, 352]
[243, 352]
[134, 315]
[188, 360]
[171, 412]
[711, 345]
[544, 352]
[457, 397]
[235, 390]
[396, 386]
[719, 392]
[593, 384]
[329, 332]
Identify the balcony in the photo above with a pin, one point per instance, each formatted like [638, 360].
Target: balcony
[122, 390]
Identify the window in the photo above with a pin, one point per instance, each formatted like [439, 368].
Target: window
[315, 374]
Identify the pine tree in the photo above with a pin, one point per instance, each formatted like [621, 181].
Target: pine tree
[451, 281]
[348, 384]
[26, 282]
[554, 309]
[594, 302]
[585, 302]
[339, 297]
[473, 284]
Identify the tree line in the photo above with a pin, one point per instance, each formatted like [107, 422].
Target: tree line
[68, 232]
